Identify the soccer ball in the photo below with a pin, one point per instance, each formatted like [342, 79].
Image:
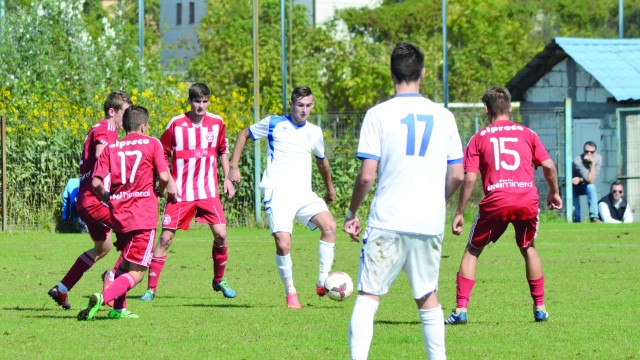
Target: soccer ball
[339, 286]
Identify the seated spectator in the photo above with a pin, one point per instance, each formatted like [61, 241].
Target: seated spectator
[586, 168]
[70, 220]
[613, 208]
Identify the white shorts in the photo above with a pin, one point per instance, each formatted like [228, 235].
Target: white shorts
[385, 253]
[282, 206]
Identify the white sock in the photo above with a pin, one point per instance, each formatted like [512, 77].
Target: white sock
[285, 270]
[325, 254]
[63, 289]
[432, 321]
[361, 326]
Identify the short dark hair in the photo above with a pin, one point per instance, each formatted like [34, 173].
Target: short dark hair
[590, 143]
[497, 100]
[116, 100]
[198, 91]
[134, 117]
[615, 183]
[407, 62]
[300, 92]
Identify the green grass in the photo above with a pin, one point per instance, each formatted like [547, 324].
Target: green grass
[592, 295]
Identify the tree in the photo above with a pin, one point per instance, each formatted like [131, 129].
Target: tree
[226, 61]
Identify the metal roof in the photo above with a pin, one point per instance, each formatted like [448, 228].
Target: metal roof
[614, 63]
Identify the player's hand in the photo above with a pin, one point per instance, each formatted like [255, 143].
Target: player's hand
[352, 227]
[330, 195]
[554, 201]
[456, 227]
[229, 189]
[172, 191]
[234, 174]
[575, 180]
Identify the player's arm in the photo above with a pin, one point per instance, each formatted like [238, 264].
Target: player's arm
[99, 148]
[325, 172]
[455, 176]
[227, 185]
[233, 171]
[165, 181]
[364, 182]
[554, 201]
[465, 194]
[98, 188]
[605, 214]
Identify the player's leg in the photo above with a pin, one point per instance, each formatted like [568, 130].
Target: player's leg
[526, 231]
[483, 231]
[285, 267]
[326, 247]
[220, 257]
[95, 218]
[381, 262]
[157, 263]
[209, 211]
[422, 266]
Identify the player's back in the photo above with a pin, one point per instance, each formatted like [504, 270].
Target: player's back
[505, 153]
[415, 139]
[132, 162]
[103, 133]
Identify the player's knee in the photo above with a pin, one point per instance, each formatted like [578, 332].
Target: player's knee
[329, 229]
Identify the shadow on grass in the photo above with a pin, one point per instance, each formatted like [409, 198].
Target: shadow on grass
[391, 322]
[20, 308]
[239, 306]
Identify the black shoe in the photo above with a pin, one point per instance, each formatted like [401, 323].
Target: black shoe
[596, 220]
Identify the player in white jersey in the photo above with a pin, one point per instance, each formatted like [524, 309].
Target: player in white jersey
[286, 183]
[416, 144]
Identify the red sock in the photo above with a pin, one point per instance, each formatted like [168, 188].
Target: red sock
[155, 268]
[118, 288]
[219, 254]
[536, 287]
[463, 290]
[120, 302]
[117, 265]
[83, 263]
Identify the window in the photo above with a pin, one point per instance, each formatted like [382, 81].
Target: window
[179, 14]
[192, 12]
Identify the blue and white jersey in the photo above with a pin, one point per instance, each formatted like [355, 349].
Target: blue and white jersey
[413, 139]
[288, 152]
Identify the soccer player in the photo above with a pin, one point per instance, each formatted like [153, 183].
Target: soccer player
[287, 185]
[194, 141]
[505, 154]
[417, 146]
[132, 163]
[91, 210]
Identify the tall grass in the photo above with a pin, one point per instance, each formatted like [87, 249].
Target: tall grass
[591, 294]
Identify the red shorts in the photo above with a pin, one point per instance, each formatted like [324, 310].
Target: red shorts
[136, 246]
[486, 230]
[178, 215]
[97, 217]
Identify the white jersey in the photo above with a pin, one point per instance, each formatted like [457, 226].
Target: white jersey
[288, 152]
[414, 140]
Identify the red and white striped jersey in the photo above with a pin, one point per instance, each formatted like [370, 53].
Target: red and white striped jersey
[194, 150]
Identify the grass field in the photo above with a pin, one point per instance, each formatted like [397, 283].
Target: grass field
[592, 294]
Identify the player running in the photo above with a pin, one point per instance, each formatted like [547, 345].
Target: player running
[505, 154]
[91, 210]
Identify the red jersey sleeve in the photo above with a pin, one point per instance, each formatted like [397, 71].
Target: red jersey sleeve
[159, 160]
[472, 156]
[102, 168]
[538, 151]
[223, 143]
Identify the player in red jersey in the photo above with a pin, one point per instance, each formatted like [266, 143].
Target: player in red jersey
[91, 210]
[133, 202]
[195, 141]
[504, 153]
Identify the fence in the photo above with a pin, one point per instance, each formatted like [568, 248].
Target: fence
[35, 183]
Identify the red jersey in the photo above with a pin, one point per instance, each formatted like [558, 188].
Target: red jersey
[505, 153]
[131, 163]
[194, 150]
[101, 133]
